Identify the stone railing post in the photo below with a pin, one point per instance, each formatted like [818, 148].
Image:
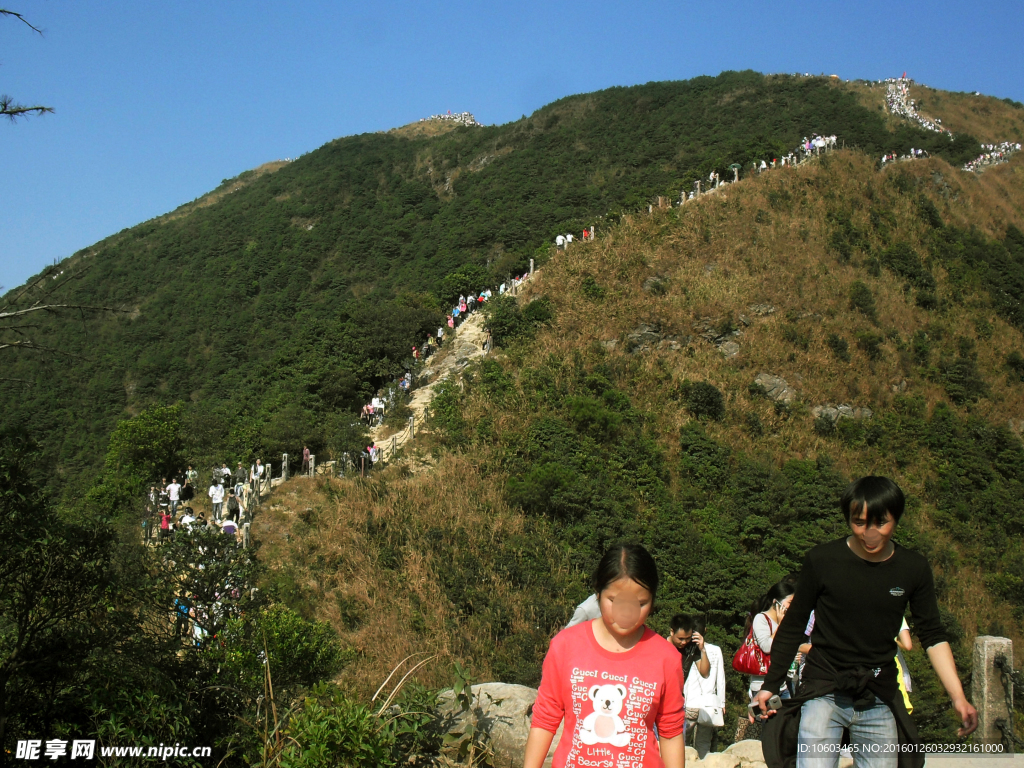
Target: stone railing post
[284, 466]
[698, 187]
[987, 689]
[735, 175]
[531, 267]
[412, 426]
[312, 465]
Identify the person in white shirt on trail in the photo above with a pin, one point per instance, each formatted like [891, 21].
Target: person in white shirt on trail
[255, 476]
[560, 242]
[216, 494]
[704, 681]
[174, 494]
[568, 240]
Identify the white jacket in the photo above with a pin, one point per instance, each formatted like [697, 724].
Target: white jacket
[706, 691]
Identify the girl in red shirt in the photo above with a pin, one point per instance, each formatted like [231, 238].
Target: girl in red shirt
[612, 680]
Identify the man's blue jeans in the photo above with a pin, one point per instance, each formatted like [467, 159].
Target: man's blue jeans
[872, 733]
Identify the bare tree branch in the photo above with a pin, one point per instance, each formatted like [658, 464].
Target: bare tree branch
[76, 275]
[33, 345]
[52, 307]
[20, 381]
[20, 18]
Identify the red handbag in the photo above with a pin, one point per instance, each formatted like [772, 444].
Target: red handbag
[749, 658]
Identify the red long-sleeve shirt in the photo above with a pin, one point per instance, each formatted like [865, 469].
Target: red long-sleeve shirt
[610, 701]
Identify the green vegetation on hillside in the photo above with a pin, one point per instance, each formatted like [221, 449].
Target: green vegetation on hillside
[261, 321]
[297, 293]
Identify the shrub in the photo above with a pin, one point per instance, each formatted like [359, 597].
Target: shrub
[903, 260]
[928, 212]
[591, 289]
[839, 346]
[446, 413]
[726, 326]
[871, 344]
[329, 729]
[753, 424]
[961, 377]
[796, 337]
[536, 312]
[507, 322]
[705, 401]
[539, 489]
[927, 300]
[1015, 362]
[921, 348]
[851, 431]
[824, 426]
[863, 301]
[591, 417]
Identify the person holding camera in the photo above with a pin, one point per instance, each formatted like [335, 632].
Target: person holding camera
[859, 587]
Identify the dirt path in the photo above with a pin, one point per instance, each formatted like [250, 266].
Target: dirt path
[459, 351]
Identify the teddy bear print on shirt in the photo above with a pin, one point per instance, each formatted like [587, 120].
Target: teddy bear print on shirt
[603, 725]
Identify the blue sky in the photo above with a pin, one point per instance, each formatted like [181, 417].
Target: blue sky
[156, 103]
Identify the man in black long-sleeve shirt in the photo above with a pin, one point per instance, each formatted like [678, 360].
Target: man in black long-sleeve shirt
[859, 588]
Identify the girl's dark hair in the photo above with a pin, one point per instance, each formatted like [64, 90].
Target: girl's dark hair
[880, 494]
[629, 561]
[779, 592]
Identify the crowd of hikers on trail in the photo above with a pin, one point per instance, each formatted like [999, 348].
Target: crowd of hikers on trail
[232, 494]
[822, 650]
[373, 413]
[808, 147]
[898, 101]
[993, 154]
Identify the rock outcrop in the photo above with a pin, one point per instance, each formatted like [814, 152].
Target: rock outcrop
[502, 711]
[776, 388]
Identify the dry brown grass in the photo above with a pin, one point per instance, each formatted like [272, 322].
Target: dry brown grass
[785, 261]
[424, 129]
[337, 550]
[405, 609]
[986, 118]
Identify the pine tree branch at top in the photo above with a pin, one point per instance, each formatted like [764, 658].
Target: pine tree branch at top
[13, 111]
[8, 107]
[22, 19]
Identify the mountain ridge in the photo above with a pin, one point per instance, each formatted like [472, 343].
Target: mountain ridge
[311, 253]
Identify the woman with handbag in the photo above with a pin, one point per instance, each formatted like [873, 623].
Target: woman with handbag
[754, 656]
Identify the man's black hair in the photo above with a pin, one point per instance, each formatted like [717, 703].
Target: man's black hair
[687, 623]
[880, 494]
[626, 561]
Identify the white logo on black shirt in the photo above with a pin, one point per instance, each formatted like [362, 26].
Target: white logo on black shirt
[897, 592]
